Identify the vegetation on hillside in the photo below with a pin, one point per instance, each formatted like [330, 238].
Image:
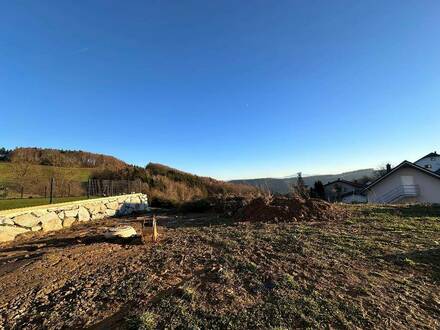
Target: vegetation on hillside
[26, 172]
[166, 185]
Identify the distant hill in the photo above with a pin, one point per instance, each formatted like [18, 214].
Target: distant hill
[283, 185]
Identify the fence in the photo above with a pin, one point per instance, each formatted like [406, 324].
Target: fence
[54, 188]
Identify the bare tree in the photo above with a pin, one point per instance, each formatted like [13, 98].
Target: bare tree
[21, 171]
[300, 187]
[381, 170]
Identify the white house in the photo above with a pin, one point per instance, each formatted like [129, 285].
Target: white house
[430, 162]
[408, 182]
[344, 191]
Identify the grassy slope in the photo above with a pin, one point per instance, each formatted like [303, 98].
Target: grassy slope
[6, 204]
[381, 268]
[75, 174]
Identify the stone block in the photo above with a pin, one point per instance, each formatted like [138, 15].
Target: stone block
[8, 233]
[83, 214]
[98, 216]
[27, 220]
[39, 213]
[68, 222]
[6, 221]
[71, 213]
[112, 205]
[110, 212]
[51, 221]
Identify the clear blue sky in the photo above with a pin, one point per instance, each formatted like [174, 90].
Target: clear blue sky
[229, 89]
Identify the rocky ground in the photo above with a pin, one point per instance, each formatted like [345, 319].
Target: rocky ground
[378, 268]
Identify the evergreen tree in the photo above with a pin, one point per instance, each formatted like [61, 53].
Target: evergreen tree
[319, 190]
[300, 187]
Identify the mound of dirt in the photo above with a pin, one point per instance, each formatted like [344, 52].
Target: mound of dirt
[290, 209]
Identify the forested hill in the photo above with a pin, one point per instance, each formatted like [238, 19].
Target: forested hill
[62, 158]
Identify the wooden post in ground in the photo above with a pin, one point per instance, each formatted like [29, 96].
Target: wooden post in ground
[52, 181]
[155, 233]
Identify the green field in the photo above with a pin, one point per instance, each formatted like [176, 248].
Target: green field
[7, 204]
[73, 174]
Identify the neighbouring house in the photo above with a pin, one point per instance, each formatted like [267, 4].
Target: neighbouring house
[431, 162]
[344, 191]
[3, 156]
[408, 182]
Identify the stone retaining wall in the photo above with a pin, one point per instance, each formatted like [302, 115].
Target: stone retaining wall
[63, 215]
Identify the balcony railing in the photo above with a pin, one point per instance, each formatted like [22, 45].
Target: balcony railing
[399, 193]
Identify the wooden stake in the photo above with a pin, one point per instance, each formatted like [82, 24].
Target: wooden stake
[155, 233]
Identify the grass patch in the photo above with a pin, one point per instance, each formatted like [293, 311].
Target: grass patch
[71, 173]
[283, 276]
[8, 204]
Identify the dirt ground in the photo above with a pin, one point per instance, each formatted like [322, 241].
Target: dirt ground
[380, 268]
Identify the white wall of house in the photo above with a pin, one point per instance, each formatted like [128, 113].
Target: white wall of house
[430, 163]
[428, 185]
[354, 198]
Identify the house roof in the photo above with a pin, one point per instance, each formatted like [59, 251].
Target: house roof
[405, 163]
[354, 184]
[431, 154]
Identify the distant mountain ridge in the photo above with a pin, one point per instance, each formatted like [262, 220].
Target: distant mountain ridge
[283, 185]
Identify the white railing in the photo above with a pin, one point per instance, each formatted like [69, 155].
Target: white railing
[399, 193]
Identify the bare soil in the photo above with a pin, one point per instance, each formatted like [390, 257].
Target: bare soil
[291, 209]
[378, 268]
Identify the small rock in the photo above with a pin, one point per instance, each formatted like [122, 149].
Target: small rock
[36, 228]
[122, 232]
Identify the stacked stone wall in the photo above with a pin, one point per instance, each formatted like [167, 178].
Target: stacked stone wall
[64, 215]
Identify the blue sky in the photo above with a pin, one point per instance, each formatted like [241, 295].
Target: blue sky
[229, 89]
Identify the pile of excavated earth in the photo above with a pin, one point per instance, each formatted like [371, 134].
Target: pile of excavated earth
[290, 209]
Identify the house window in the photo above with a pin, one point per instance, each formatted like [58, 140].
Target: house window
[428, 166]
[432, 159]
